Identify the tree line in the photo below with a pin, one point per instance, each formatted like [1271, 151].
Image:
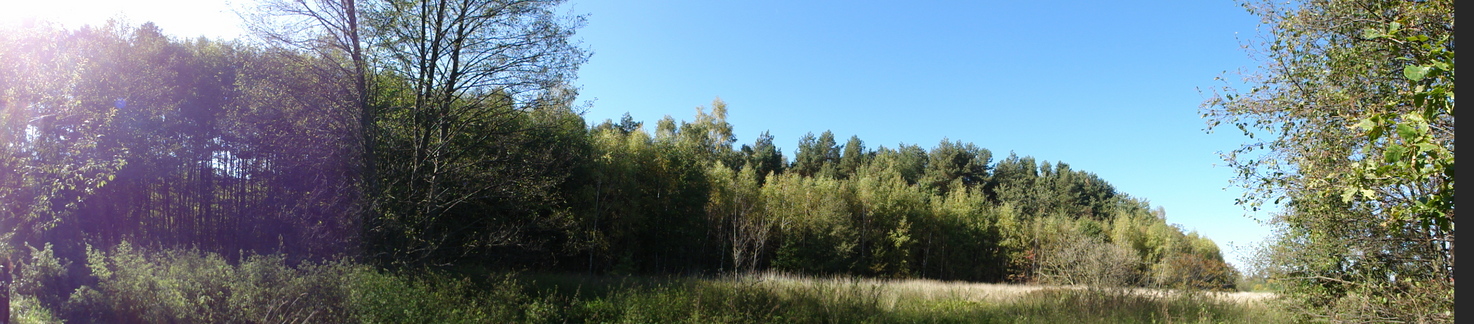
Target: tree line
[123, 134]
[948, 212]
[444, 133]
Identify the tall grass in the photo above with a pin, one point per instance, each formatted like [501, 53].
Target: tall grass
[184, 286]
[789, 299]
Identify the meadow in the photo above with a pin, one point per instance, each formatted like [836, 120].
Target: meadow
[773, 297]
[174, 286]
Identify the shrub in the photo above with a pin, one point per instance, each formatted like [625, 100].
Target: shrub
[1192, 271]
[26, 310]
[192, 286]
[1088, 261]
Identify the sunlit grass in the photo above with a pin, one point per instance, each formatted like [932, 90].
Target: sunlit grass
[134, 285]
[773, 297]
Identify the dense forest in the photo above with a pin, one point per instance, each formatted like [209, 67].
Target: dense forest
[444, 135]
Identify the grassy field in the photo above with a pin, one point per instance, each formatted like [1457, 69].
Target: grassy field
[791, 299]
[184, 286]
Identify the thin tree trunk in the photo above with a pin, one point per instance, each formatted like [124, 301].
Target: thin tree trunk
[5, 281]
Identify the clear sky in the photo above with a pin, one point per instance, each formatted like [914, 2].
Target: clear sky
[1110, 87]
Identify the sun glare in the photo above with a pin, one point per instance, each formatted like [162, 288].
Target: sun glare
[185, 18]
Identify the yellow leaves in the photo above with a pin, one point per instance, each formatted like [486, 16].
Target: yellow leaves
[1351, 194]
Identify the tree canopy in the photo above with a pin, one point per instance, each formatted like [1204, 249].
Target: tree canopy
[1352, 111]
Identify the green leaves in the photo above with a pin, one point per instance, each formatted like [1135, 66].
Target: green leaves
[1408, 131]
[1393, 153]
[1377, 33]
[1416, 73]
[1372, 33]
[1360, 101]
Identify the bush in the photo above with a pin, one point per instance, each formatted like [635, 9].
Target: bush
[26, 310]
[195, 287]
[1192, 271]
[190, 286]
[41, 277]
[1087, 261]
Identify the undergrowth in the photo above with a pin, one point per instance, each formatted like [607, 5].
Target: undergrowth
[186, 286]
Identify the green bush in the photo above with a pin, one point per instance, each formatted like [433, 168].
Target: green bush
[40, 278]
[26, 310]
[191, 286]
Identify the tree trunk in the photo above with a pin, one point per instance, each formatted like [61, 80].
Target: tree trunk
[5, 280]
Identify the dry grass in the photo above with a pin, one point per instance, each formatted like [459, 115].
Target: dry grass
[908, 288]
[927, 289]
[1246, 296]
[784, 298]
[933, 301]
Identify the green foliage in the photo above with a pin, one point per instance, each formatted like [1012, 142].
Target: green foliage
[736, 209]
[43, 278]
[1354, 120]
[854, 157]
[817, 156]
[813, 214]
[763, 157]
[909, 160]
[964, 238]
[190, 286]
[884, 208]
[1194, 271]
[195, 137]
[26, 310]
[239, 172]
[51, 117]
[133, 285]
[955, 161]
[637, 180]
[891, 213]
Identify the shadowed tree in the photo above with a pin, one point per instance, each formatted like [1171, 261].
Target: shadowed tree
[460, 162]
[764, 157]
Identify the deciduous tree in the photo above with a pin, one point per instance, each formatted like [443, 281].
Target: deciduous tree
[1352, 112]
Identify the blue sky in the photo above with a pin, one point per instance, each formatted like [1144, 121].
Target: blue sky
[1110, 87]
